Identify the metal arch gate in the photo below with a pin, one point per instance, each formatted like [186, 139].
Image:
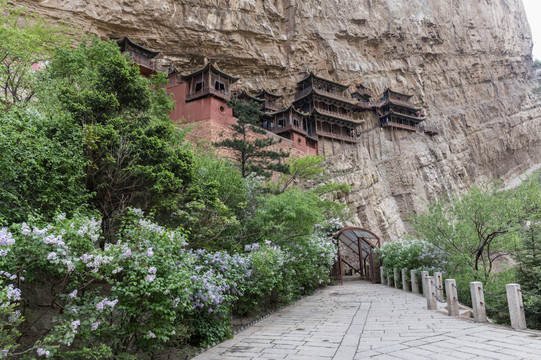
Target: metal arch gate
[361, 242]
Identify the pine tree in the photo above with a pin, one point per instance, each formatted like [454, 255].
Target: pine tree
[252, 156]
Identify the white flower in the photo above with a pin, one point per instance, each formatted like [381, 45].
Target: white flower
[151, 335]
[150, 278]
[43, 352]
[51, 256]
[75, 324]
[150, 252]
[73, 294]
[152, 270]
[95, 326]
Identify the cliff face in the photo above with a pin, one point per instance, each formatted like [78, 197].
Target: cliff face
[468, 63]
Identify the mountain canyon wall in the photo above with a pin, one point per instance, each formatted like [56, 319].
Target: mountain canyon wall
[468, 63]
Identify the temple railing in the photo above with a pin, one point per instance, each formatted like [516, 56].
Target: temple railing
[323, 92]
[208, 91]
[348, 138]
[338, 115]
[271, 105]
[421, 128]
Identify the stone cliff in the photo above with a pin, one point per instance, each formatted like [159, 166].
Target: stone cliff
[468, 63]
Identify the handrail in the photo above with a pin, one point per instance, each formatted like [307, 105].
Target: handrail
[337, 115]
[349, 138]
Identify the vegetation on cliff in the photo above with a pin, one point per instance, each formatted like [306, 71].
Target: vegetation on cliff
[118, 237]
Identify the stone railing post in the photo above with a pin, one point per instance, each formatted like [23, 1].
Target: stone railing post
[438, 279]
[424, 274]
[478, 302]
[452, 297]
[388, 279]
[516, 307]
[431, 303]
[382, 275]
[395, 276]
[405, 286]
[414, 283]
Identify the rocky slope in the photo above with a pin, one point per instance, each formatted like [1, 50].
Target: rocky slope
[467, 62]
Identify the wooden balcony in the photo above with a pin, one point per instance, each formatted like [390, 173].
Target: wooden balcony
[347, 117]
[420, 128]
[224, 95]
[323, 92]
[271, 105]
[348, 138]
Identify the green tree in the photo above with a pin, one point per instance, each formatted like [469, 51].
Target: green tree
[135, 156]
[476, 228]
[41, 164]
[252, 156]
[27, 40]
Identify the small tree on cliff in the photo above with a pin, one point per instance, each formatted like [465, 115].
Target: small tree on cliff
[252, 156]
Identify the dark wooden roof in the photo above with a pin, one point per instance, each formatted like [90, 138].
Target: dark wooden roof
[264, 92]
[213, 68]
[126, 41]
[388, 91]
[312, 75]
[289, 108]
[244, 94]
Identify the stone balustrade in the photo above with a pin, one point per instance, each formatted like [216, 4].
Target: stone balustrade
[436, 290]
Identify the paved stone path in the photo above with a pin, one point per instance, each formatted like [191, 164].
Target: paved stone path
[359, 320]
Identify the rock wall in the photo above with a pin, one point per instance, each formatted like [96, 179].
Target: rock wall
[467, 62]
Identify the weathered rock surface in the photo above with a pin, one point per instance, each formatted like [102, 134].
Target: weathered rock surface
[467, 62]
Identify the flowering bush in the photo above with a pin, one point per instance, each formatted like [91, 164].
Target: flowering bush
[135, 295]
[417, 255]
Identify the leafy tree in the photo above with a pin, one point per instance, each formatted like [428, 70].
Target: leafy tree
[41, 164]
[252, 156]
[475, 228]
[27, 40]
[134, 152]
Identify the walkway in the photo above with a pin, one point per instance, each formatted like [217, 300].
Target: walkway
[360, 320]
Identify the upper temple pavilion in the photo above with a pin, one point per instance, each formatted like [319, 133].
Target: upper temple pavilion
[140, 55]
[396, 111]
[332, 111]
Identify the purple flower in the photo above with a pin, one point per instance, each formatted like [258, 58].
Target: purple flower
[73, 294]
[150, 252]
[95, 326]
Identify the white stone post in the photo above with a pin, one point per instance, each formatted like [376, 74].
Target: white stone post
[414, 283]
[382, 275]
[516, 307]
[452, 297]
[431, 303]
[424, 274]
[438, 279]
[478, 302]
[405, 286]
[395, 276]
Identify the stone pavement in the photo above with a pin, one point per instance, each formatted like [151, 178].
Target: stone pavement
[359, 320]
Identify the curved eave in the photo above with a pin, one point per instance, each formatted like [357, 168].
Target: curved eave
[250, 97]
[414, 118]
[127, 41]
[265, 92]
[398, 93]
[400, 105]
[325, 95]
[311, 74]
[212, 68]
[287, 109]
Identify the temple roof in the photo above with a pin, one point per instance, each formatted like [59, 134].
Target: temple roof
[244, 94]
[289, 108]
[213, 68]
[399, 94]
[401, 103]
[264, 92]
[312, 75]
[400, 115]
[126, 41]
[327, 95]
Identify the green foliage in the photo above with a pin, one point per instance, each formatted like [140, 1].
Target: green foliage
[252, 156]
[27, 41]
[134, 151]
[536, 64]
[41, 165]
[475, 228]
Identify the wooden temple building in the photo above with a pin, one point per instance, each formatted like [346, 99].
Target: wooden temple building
[202, 95]
[332, 112]
[396, 111]
[323, 111]
[140, 55]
